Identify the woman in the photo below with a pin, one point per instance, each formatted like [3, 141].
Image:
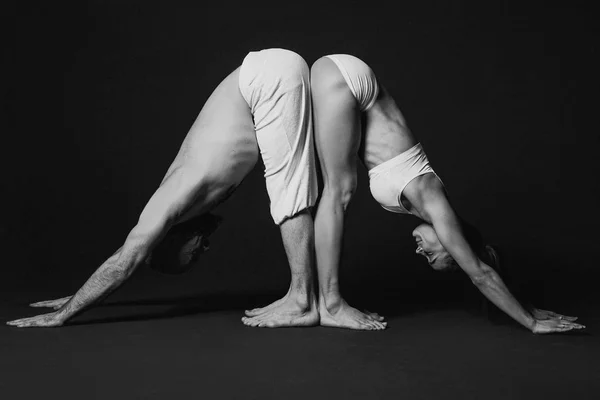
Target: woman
[345, 91]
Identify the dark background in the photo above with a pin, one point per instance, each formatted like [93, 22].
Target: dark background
[102, 93]
[99, 95]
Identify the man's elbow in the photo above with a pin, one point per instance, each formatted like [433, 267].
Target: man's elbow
[143, 236]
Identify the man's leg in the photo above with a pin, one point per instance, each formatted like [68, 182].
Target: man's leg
[277, 85]
[299, 306]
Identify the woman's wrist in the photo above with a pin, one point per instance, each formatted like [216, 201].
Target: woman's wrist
[530, 322]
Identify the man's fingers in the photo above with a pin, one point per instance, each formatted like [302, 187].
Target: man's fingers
[51, 303]
[19, 322]
[40, 304]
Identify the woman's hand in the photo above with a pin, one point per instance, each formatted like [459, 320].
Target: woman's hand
[554, 325]
[540, 314]
[55, 304]
[43, 321]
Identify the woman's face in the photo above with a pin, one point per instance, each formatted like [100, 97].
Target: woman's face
[429, 246]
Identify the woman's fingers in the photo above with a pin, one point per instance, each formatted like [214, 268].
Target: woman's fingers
[567, 326]
[546, 314]
[560, 316]
[555, 325]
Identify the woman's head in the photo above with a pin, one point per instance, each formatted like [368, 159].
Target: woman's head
[429, 246]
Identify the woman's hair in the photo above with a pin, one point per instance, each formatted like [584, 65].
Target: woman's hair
[486, 252]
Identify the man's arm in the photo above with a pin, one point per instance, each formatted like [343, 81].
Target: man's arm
[108, 277]
[445, 222]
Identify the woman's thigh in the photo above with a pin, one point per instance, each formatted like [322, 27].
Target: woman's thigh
[337, 126]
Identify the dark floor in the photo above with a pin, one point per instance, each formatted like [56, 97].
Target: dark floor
[146, 347]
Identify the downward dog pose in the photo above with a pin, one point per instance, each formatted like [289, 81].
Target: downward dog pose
[345, 90]
[262, 105]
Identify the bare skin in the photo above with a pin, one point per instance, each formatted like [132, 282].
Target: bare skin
[487, 280]
[218, 152]
[337, 137]
[342, 141]
[299, 306]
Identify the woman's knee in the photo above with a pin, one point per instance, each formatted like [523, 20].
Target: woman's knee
[341, 190]
[324, 74]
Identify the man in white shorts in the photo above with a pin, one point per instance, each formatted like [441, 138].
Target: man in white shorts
[264, 105]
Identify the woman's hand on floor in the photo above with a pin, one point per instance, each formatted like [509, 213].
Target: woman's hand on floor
[554, 325]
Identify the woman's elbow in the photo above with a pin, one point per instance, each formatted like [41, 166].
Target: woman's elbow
[482, 278]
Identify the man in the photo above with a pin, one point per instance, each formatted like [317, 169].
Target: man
[264, 105]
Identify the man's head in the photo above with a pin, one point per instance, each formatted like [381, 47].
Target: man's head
[183, 244]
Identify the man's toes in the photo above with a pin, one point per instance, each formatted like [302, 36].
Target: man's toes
[270, 323]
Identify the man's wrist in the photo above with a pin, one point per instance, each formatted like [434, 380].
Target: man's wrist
[64, 313]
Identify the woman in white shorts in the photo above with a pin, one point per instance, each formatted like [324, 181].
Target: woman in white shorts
[346, 93]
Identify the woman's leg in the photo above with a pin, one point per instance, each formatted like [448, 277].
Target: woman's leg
[337, 133]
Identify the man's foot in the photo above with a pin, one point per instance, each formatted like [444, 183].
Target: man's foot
[286, 312]
[340, 315]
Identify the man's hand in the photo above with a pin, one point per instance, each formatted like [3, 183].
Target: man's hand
[554, 326]
[55, 304]
[42, 321]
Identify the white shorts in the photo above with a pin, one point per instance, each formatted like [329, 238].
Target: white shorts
[359, 77]
[276, 85]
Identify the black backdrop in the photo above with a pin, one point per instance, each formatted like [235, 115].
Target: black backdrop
[101, 93]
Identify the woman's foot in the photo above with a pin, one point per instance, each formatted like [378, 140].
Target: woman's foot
[339, 314]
